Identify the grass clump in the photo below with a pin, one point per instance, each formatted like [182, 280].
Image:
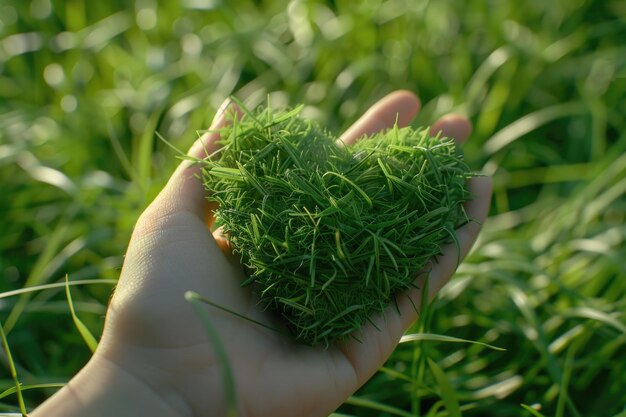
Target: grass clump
[328, 234]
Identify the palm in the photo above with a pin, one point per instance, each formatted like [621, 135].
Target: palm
[153, 330]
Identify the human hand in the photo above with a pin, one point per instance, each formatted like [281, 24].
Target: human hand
[155, 345]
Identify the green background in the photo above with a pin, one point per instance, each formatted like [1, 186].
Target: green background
[84, 86]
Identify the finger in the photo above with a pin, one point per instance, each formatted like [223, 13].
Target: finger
[378, 341]
[445, 265]
[452, 126]
[184, 191]
[400, 105]
[222, 241]
[477, 210]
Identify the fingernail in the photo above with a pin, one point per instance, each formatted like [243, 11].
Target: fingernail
[222, 110]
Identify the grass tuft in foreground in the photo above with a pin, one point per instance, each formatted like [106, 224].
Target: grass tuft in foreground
[330, 233]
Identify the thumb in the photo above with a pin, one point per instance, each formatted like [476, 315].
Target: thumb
[184, 190]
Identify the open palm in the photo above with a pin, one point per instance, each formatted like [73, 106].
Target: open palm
[154, 334]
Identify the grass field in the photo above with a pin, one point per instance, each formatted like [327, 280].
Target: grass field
[85, 85]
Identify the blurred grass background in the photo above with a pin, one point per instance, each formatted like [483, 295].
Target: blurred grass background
[85, 85]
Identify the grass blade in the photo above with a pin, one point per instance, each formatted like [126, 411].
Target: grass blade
[13, 390]
[532, 411]
[42, 269]
[36, 288]
[87, 336]
[18, 388]
[375, 405]
[234, 313]
[442, 338]
[446, 390]
[530, 122]
[598, 315]
[227, 373]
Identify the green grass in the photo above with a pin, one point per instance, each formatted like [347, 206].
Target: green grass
[340, 229]
[85, 85]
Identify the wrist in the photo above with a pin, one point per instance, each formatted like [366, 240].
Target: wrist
[103, 388]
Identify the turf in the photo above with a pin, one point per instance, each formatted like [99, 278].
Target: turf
[330, 234]
[85, 85]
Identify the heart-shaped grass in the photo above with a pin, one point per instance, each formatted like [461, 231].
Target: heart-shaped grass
[329, 234]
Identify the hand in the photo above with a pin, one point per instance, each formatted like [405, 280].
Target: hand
[154, 349]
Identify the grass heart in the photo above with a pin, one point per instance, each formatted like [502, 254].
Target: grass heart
[329, 234]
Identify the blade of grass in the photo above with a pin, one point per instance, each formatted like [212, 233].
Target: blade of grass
[532, 411]
[13, 390]
[443, 338]
[220, 352]
[375, 405]
[87, 336]
[44, 287]
[530, 122]
[41, 270]
[598, 315]
[234, 313]
[445, 390]
[143, 151]
[567, 373]
[418, 362]
[483, 73]
[127, 166]
[18, 388]
[435, 412]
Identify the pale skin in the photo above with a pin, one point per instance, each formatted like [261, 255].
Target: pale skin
[155, 358]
